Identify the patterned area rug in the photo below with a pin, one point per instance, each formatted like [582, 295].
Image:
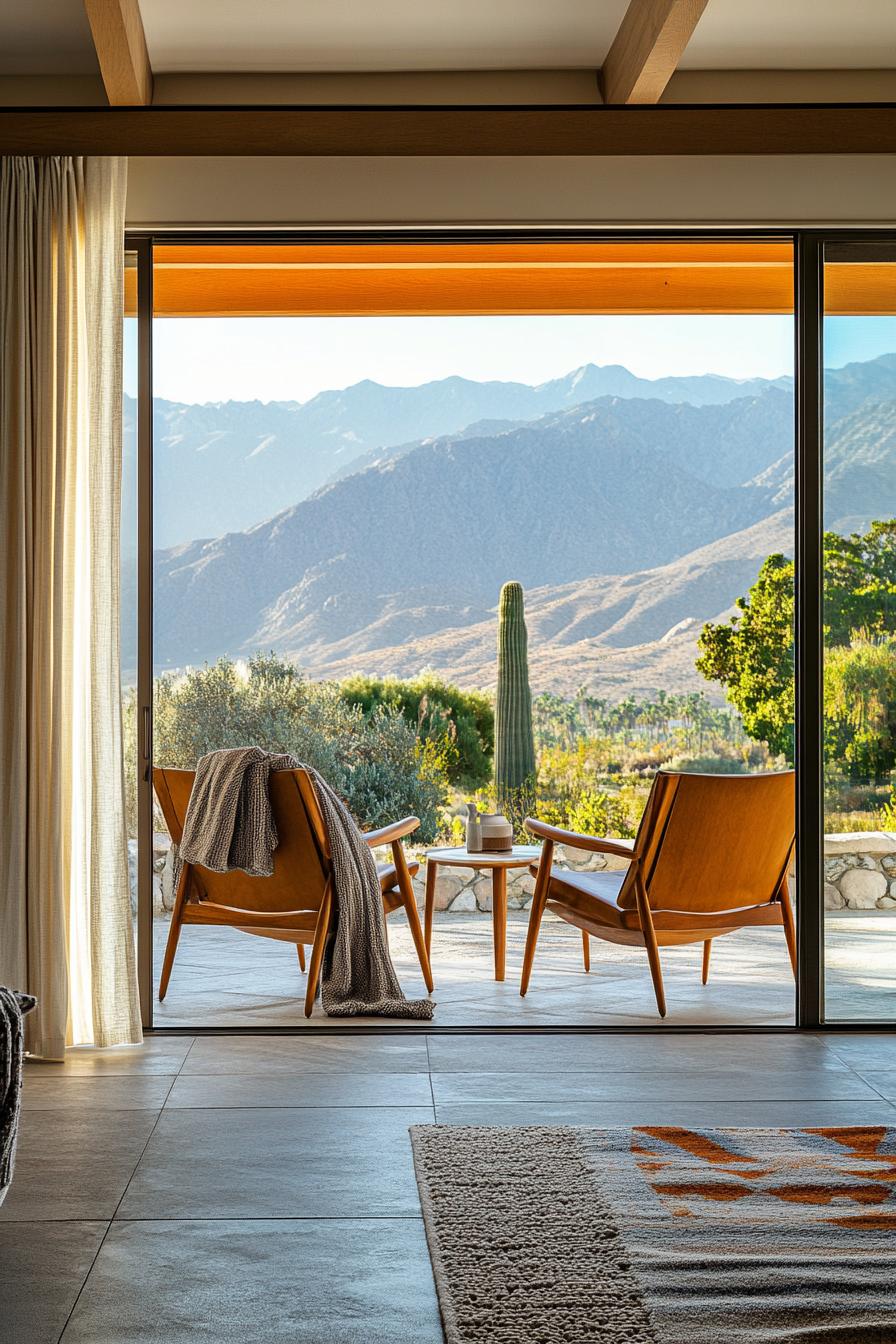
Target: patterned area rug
[661, 1235]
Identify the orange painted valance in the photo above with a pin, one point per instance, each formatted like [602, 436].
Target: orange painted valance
[434, 279]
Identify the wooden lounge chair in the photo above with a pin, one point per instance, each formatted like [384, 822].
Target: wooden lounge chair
[293, 904]
[711, 855]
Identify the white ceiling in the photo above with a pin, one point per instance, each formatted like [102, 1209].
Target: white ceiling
[45, 37]
[378, 35]
[52, 37]
[794, 35]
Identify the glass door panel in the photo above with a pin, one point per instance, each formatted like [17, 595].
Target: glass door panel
[859, 558]
[355, 447]
[128, 563]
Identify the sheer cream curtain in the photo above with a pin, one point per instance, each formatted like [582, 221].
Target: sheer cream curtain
[65, 920]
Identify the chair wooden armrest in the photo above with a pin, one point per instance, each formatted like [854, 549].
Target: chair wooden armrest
[596, 844]
[396, 830]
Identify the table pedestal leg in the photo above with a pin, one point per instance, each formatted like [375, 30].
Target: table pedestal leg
[499, 918]
[432, 869]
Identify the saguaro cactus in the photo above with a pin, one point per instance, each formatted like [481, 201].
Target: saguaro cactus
[514, 744]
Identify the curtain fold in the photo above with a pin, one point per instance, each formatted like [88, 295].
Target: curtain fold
[66, 931]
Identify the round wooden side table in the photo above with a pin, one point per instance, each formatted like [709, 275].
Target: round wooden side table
[499, 862]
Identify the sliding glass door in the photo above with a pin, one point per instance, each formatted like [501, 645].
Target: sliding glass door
[859, 635]
[347, 448]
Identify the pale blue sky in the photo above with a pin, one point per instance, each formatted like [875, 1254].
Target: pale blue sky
[280, 359]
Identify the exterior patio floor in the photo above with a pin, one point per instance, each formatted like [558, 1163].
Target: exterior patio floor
[225, 979]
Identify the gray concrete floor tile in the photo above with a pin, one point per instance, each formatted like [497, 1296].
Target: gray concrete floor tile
[632, 1053]
[682, 1086]
[157, 1054]
[42, 1268]
[272, 1281]
[223, 979]
[278, 1163]
[74, 1164]
[298, 1054]
[715, 1114]
[863, 1050]
[101, 1091]
[302, 1089]
[883, 1081]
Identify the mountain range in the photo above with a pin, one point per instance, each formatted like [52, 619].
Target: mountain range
[629, 520]
[224, 466]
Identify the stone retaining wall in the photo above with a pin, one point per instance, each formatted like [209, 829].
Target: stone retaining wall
[466, 890]
[859, 869]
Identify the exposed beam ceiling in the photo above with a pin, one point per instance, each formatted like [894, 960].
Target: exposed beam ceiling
[865, 128]
[117, 30]
[646, 50]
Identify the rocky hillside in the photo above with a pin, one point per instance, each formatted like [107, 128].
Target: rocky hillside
[224, 466]
[626, 634]
[629, 520]
[423, 543]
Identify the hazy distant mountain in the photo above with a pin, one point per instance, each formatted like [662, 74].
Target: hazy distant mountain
[404, 550]
[630, 520]
[859, 469]
[224, 466]
[856, 385]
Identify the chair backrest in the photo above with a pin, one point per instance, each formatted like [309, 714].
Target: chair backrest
[301, 859]
[715, 842]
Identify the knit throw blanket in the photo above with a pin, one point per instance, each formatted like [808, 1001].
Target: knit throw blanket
[229, 825]
[13, 1007]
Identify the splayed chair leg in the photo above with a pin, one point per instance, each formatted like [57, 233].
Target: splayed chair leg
[707, 949]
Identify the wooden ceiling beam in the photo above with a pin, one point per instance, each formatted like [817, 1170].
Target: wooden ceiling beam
[646, 50]
[846, 128]
[120, 43]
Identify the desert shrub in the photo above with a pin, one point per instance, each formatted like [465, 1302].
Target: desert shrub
[842, 794]
[462, 722]
[708, 765]
[643, 762]
[388, 773]
[374, 761]
[724, 759]
[569, 796]
[591, 812]
[225, 704]
[597, 813]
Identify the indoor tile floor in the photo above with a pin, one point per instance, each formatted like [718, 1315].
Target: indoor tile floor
[261, 1189]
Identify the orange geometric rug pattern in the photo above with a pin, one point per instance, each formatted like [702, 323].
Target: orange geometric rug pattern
[845, 1176]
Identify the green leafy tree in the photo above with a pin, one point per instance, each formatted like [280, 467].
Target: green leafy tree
[860, 707]
[752, 654]
[461, 723]
[860, 583]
